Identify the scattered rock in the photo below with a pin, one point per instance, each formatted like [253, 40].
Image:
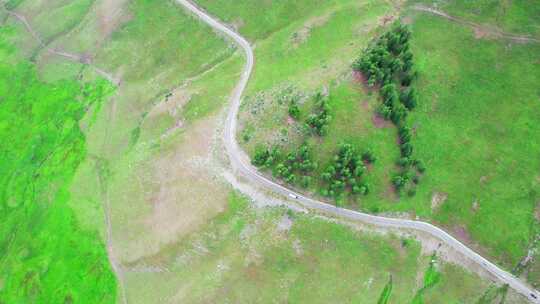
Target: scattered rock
[528, 258]
[368, 283]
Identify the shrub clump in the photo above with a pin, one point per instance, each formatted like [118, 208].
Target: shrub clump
[294, 167]
[318, 121]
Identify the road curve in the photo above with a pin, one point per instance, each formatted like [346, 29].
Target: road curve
[241, 164]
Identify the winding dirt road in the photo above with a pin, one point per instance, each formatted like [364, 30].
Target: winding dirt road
[241, 165]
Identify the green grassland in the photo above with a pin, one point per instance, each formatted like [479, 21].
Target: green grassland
[247, 255]
[321, 59]
[473, 128]
[516, 17]
[476, 126]
[54, 246]
[46, 257]
[174, 44]
[258, 20]
[309, 42]
[63, 165]
[67, 15]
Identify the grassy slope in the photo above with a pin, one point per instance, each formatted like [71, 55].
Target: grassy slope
[259, 19]
[151, 55]
[46, 256]
[149, 51]
[519, 17]
[474, 130]
[67, 15]
[280, 59]
[474, 122]
[243, 257]
[146, 94]
[476, 143]
[174, 43]
[176, 48]
[309, 65]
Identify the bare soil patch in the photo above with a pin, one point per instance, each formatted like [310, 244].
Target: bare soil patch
[388, 19]
[475, 206]
[111, 14]
[365, 105]
[379, 122]
[285, 223]
[237, 24]
[391, 192]
[302, 35]
[537, 211]
[179, 192]
[172, 104]
[437, 199]
[358, 77]
[480, 33]
[462, 234]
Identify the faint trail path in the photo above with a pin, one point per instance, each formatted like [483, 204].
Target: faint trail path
[73, 57]
[241, 164]
[115, 264]
[489, 31]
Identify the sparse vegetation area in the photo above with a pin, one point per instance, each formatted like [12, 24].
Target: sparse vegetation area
[248, 255]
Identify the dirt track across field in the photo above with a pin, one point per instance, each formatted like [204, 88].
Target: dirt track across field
[481, 31]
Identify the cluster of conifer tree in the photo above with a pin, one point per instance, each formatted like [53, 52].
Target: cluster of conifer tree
[294, 167]
[346, 171]
[388, 65]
